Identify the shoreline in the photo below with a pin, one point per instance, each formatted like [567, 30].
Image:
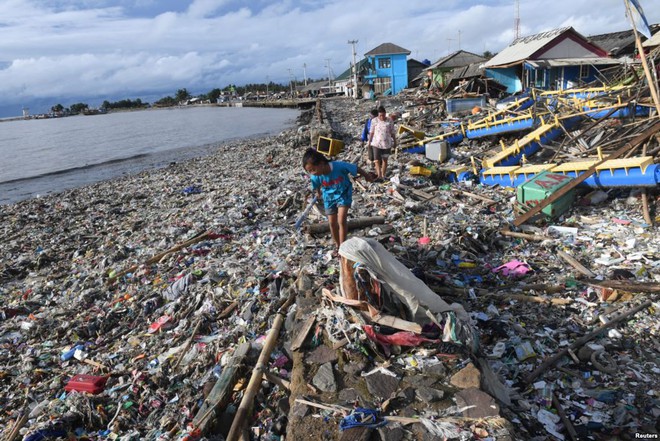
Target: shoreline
[53, 180]
[102, 266]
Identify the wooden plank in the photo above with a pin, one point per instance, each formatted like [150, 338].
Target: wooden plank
[575, 264]
[223, 389]
[582, 177]
[302, 335]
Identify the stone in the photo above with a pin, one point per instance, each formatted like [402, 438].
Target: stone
[299, 410]
[466, 378]
[407, 394]
[353, 368]
[479, 404]
[356, 434]
[437, 370]
[428, 394]
[382, 385]
[348, 395]
[325, 378]
[321, 355]
[391, 433]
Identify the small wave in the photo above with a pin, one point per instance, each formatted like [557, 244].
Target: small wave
[75, 169]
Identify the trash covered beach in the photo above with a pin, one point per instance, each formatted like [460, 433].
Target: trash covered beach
[182, 303]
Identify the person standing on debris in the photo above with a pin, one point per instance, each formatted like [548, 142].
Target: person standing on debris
[365, 134]
[330, 180]
[382, 139]
[428, 83]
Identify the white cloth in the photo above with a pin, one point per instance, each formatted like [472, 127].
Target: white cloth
[383, 266]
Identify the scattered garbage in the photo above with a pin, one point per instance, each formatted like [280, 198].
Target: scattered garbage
[135, 309]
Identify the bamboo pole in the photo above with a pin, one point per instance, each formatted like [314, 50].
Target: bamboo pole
[258, 372]
[647, 72]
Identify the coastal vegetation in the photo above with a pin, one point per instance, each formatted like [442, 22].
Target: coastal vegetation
[184, 96]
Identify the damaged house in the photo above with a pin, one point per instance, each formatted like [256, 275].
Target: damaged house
[388, 69]
[553, 60]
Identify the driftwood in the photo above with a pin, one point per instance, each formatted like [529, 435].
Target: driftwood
[258, 372]
[223, 388]
[160, 256]
[353, 224]
[564, 419]
[188, 344]
[549, 362]
[626, 285]
[524, 235]
[575, 264]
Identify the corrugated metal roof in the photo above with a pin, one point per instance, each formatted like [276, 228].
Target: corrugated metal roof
[653, 41]
[522, 48]
[459, 58]
[387, 49]
[559, 62]
[619, 43]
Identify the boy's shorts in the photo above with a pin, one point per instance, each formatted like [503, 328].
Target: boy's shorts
[333, 207]
[380, 154]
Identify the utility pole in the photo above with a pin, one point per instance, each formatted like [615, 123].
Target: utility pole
[355, 83]
[327, 64]
[459, 39]
[449, 40]
[267, 81]
[516, 22]
[305, 73]
[290, 83]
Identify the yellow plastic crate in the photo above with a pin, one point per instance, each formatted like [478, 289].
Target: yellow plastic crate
[415, 133]
[423, 171]
[329, 146]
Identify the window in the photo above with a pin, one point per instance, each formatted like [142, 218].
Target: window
[384, 63]
[584, 70]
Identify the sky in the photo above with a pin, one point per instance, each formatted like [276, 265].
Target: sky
[70, 51]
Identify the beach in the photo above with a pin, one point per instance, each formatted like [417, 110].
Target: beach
[157, 278]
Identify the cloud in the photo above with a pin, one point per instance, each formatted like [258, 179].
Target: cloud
[93, 47]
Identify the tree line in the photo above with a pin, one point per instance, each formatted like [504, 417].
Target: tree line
[181, 96]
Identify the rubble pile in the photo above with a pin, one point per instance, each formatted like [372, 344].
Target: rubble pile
[142, 308]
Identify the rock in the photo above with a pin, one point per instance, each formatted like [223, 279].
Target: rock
[325, 378]
[466, 378]
[354, 367]
[391, 433]
[382, 385]
[436, 370]
[407, 394]
[480, 404]
[348, 395]
[428, 394]
[299, 410]
[322, 355]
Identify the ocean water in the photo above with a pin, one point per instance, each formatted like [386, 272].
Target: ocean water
[39, 157]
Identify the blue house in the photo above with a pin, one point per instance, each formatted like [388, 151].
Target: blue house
[388, 69]
[553, 60]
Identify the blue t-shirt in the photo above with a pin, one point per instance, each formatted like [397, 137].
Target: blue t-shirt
[365, 130]
[336, 187]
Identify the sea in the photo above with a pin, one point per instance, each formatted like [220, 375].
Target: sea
[43, 156]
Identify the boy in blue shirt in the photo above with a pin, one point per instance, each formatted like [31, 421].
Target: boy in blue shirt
[330, 179]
